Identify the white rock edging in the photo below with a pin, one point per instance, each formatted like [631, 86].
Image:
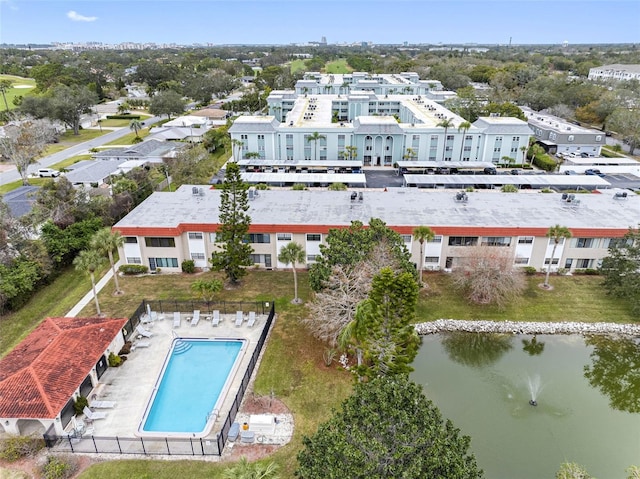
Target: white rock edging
[516, 327]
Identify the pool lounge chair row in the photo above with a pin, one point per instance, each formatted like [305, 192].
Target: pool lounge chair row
[240, 318]
[215, 320]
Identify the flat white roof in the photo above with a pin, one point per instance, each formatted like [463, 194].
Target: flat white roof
[302, 163]
[600, 161]
[446, 164]
[306, 178]
[397, 207]
[539, 181]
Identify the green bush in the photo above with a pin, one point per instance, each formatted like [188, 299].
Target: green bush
[546, 190]
[545, 162]
[337, 187]
[509, 189]
[298, 187]
[123, 117]
[137, 139]
[262, 186]
[133, 269]
[17, 447]
[188, 266]
[114, 360]
[529, 270]
[61, 467]
[79, 404]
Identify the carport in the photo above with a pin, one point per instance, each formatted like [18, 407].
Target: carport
[574, 182]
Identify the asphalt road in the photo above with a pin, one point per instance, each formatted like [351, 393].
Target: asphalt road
[79, 149]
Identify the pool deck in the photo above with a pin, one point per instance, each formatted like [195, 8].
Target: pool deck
[130, 385]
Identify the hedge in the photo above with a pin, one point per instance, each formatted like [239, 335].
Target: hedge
[133, 269]
[123, 117]
[545, 162]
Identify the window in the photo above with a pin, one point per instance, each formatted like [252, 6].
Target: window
[264, 259]
[258, 238]
[166, 262]
[568, 262]
[555, 260]
[525, 240]
[130, 239]
[195, 256]
[314, 237]
[406, 238]
[432, 259]
[312, 257]
[584, 263]
[260, 137]
[552, 241]
[619, 242]
[584, 242]
[160, 242]
[463, 240]
[195, 236]
[284, 236]
[496, 241]
[134, 260]
[449, 137]
[599, 138]
[516, 138]
[520, 260]
[436, 239]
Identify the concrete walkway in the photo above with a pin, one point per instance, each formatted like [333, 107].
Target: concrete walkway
[89, 296]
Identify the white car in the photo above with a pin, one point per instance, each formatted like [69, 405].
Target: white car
[47, 173]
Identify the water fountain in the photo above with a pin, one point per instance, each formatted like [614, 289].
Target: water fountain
[535, 386]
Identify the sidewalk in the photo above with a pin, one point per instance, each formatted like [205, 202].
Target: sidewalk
[89, 296]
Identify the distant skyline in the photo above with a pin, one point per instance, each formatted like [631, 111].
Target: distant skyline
[340, 21]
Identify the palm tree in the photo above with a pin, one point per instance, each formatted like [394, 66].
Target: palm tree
[446, 124]
[533, 347]
[136, 126]
[557, 233]
[251, 470]
[352, 151]
[410, 154]
[464, 127]
[104, 242]
[293, 253]
[206, 289]
[422, 234]
[237, 146]
[524, 149]
[5, 86]
[88, 261]
[315, 137]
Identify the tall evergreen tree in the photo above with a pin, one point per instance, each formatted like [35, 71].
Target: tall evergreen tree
[234, 227]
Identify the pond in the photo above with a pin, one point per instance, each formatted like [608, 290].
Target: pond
[587, 393]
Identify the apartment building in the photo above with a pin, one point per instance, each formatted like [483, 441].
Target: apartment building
[168, 228]
[615, 72]
[559, 136]
[376, 129]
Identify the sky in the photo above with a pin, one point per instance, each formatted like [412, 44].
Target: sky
[300, 21]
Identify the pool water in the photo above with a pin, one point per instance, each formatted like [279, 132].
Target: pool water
[191, 385]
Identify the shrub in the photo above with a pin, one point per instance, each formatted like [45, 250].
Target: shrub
[329, 355]
[137, 139]
[17, 447]
[79, 404]
[529, 270]
[61, 467]
[546, 190]
[133, 269]
[337, 187]
[126, 349]
[509, 189]
[114, 360]
[262, 186]
[591, 272]
[545, 162]
[188, 266]
[299, 187]
[123, 117]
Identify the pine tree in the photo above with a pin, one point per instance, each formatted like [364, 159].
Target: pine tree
[234, 221]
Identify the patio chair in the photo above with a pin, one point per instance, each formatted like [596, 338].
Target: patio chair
[252, 318]
[216, 318]
[140, 344]
[143, 332]
[176, 320]
[93, 416]
[196, 317]
[234, 430]
[239, 318]
[103, 404]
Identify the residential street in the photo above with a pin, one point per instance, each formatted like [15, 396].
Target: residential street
[12, 174]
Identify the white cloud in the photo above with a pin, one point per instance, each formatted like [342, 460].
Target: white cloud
[76, 17]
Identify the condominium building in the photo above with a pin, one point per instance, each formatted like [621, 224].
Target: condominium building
[615, 72]
[168, 228]
[559, 136]
[377, 129]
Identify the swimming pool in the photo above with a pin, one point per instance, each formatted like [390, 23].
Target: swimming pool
[188, 395]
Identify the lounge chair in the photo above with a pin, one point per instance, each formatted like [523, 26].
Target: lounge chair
[93, 416]
[196, 317]
[103, 404]
[234, 430]
[140, 344]
[252, 318]
[239, 318]
[216, 318]
[143, 332]
[176, 320]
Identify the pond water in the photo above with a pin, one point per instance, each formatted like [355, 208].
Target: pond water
[587, 393]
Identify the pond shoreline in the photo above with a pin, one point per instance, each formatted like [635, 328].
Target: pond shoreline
[517, 327]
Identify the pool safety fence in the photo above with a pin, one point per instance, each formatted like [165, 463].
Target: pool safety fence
[171, 445]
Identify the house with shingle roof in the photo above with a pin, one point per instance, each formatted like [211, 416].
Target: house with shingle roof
[62, 359]
[152, 151]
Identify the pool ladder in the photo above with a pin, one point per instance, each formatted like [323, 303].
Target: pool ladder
[213, 413]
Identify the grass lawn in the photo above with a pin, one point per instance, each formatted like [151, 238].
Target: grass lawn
[114, 123]
[297, 65]
[61, 165]
[68, 139]
[292, 366]
[129, 137]
[14, 92]
[338, 66]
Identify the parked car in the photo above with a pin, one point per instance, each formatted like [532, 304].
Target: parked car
[515, 172]
[570, 172]
[47, 173]
[490, 171]
[593, 172]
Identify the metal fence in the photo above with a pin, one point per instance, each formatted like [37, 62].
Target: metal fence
[170, 445]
